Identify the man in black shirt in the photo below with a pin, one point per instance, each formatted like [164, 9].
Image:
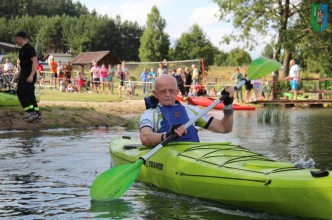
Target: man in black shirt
[27, 78]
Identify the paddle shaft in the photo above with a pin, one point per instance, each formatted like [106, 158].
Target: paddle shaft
[190, 122]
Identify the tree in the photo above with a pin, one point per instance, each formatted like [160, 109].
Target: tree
[286, 21]
[238, 57]
[12, 8]
[195, 45]
[154, 42]
[268, 51]
[220, 58]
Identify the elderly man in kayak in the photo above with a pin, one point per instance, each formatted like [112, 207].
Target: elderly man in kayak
[168, 117]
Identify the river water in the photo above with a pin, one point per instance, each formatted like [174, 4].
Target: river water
[47, 174]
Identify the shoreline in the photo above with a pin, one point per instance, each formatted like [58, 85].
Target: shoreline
[64, 114]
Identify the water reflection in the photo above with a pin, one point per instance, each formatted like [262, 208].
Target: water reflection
[47, 174]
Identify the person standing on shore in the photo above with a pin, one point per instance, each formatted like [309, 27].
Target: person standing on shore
[294, 77]
[27, 78]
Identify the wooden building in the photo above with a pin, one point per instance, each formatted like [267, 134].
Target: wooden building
[85, 59]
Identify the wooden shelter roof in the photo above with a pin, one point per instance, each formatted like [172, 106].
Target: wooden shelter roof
[98, 56]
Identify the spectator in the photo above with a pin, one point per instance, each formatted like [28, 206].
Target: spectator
[68, 69]
[178, 76]
[161, 69]
[130, 89]
[195, 75]
[257, 85]
[59, 71]
[8, 67]
[121, 76]
[110, 78]
[80, 82]
[63, 85]
[53, 69]
[144, 80]
[27, 78]
[17, 67]
[151, 78]
[187, 79]
[237, 77]
[125, 70]
[103, 77]
[40, 74]
[94, 71]
[294, 77]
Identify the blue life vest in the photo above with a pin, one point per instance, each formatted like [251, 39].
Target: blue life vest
[176, 114]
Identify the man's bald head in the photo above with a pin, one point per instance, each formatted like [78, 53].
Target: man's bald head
[165, 79]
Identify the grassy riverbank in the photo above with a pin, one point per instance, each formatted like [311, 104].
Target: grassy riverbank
[86, 109]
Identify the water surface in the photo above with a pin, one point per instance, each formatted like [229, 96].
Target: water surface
[47, 174]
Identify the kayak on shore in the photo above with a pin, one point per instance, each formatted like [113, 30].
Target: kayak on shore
[231, 175]
[206, 101]
[290, 95]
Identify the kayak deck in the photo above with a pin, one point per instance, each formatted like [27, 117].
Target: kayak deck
[231, 175]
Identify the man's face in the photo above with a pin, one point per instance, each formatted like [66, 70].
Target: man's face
[19, 41]
[166, 92]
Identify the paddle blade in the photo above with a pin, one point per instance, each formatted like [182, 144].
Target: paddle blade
[113, 183]
[261, 67]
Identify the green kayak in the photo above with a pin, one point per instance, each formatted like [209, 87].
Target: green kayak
[233, 175]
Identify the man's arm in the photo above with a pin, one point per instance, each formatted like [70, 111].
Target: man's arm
[298, 74]
[33, 69]
[149, 138]
[225, 125]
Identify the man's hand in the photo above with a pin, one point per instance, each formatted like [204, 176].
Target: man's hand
[230, 92]
[178, 129]
[30, 79]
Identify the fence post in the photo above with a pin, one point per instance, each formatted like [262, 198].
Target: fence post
[320, 96]
[274, 87]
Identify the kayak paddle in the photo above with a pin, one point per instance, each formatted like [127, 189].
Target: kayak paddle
[114, 182]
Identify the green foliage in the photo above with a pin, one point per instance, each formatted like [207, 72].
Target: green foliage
[87, 32]
[49, 8]
[271, 114]
[154, 41]
[288, 24]
[195, 45]
[238, 57]
[132, 123]
[220, 59]
[268, 51]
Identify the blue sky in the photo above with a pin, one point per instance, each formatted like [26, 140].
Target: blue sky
[180, 15]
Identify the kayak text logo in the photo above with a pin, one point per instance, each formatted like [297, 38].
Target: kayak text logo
[155, 165]
[319, 16]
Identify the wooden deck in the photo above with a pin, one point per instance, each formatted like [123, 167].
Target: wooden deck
[297, 103]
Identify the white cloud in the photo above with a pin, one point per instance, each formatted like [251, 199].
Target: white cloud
[204, 16]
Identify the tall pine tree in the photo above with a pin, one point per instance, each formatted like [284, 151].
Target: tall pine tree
[154, 42]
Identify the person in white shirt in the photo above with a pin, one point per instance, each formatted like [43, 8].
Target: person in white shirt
[8, 67]
[294, 77]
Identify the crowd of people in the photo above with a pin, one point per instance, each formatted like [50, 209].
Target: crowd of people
[103, 76]
[256, 84]
[187, 80]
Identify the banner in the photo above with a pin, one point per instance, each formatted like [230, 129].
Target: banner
[319, 16]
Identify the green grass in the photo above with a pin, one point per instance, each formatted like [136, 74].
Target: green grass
[271, 114]
[48, 94]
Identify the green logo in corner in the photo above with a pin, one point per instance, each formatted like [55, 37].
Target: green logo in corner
[319, 16]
